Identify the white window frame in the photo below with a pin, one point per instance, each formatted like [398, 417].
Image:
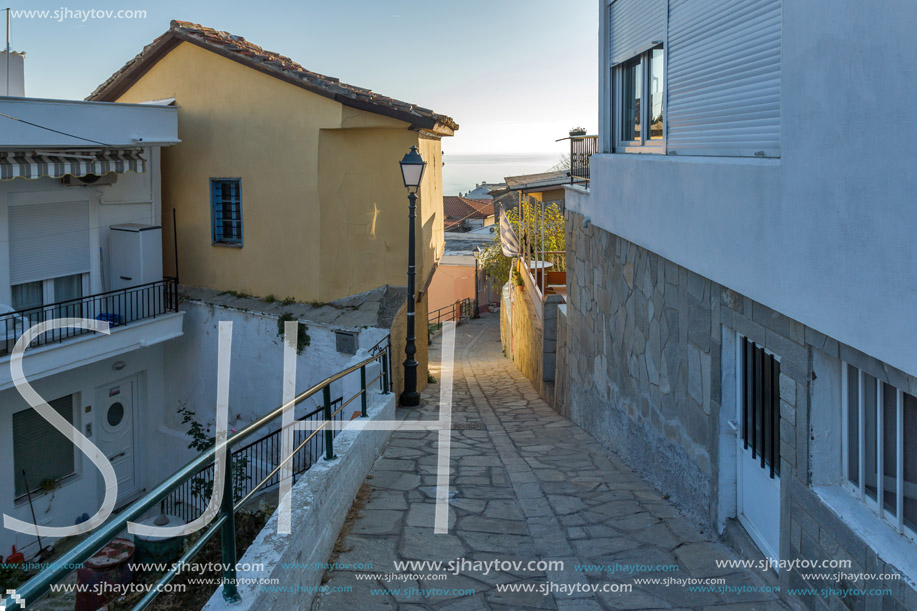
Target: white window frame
[859, 490]
[47, 289]
[644, 144]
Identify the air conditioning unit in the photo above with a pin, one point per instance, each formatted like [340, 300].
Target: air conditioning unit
[89, 180]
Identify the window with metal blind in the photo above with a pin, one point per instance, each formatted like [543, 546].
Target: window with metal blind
[723, 70]
[48, 241]
[760, 426]
[634, 26]
[226, 207]
[880, 447]
[39, 449]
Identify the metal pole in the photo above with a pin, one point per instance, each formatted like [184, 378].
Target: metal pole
[363, 386]
[476, 312]
[228, 534]
[544, 269]
[329, 434]
[410, 397]
[175, 244]
[8, 51]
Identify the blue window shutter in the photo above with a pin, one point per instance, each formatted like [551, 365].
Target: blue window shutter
[226, 210]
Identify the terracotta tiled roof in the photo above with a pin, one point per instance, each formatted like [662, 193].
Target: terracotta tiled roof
[239, 49]
[463, 208]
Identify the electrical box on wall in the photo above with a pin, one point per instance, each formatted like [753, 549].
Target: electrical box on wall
[136, 255]
[345, 342]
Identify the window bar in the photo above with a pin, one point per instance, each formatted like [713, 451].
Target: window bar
[747, 421]
[899, 431]
[757, 412]
[845, 427]
[775, 453]
[880, 453]
[861, 431]
[767, 411]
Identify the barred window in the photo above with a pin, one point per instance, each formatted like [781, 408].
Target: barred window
[880, 447]
[226, 207]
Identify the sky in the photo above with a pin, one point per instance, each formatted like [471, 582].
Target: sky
[515, 74]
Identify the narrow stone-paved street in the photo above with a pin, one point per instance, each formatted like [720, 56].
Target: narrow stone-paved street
[528, 485]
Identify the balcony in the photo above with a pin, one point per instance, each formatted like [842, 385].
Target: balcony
[582, 148]
[138, 316]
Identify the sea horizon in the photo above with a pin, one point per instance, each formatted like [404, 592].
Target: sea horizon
[462, 171]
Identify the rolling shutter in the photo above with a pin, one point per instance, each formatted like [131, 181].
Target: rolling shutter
[724, 77]
[39, 449]
[48, 241]
[633, 27]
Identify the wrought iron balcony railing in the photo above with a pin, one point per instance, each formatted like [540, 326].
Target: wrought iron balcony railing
[581, 149]
[118, 308]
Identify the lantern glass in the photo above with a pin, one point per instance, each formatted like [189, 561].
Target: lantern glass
[412, 167]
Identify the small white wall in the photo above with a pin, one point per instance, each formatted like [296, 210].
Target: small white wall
[824, 234]
[81, 493]
[113, 124]
[319, 502]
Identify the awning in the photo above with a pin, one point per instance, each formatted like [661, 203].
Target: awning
[38, 164]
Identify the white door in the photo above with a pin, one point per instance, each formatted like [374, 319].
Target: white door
[115, 418]
[758, 446]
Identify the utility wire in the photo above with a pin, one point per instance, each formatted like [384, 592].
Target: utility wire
[56, 131]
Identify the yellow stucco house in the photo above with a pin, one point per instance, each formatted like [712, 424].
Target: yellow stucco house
[286, 181]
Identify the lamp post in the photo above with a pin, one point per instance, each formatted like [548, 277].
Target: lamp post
[412, 167]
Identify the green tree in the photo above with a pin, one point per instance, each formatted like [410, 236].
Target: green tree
[528, 223]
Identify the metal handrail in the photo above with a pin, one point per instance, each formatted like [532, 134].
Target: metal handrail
[456, 311]
[177, 503]
[36, 587]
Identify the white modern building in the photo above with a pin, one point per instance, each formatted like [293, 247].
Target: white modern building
[749, 347]
[80, 236]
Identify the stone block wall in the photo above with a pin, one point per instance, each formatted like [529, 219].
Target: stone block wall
[649, 358]
[644, 373]
[527, 335]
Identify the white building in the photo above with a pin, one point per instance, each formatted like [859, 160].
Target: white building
[80, 210]
[751, 216]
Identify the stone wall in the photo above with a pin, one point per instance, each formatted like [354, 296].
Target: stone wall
[560, 374]
[643, 349]
[650, 367]
[527, 335]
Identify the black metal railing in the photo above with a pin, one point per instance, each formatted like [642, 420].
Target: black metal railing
[117, 308]
[252, 463]
[458, 311]
[581, 149]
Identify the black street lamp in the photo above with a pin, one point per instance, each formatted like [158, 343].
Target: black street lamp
[412, 167]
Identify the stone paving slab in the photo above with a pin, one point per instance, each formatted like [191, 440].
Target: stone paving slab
[529, 485]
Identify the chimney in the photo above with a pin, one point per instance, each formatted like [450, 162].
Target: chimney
[12, 84]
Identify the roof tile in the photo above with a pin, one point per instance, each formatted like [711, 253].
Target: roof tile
[249, 53]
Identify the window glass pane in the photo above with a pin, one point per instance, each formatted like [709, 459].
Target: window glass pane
[28, 295]
[910, 462]
[853, 428]
[65, 289]
[39, 449]
[632, 91]
[869, 424]
[657, 80]
[890, 445]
